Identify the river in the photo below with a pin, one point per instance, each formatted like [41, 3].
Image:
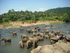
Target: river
[14, 47]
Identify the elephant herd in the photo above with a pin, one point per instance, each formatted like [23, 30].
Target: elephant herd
[32, 41]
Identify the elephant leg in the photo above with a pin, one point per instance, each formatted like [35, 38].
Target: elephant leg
[36, 45]
[21, 46]
[5, 41]
[9, 40]
[16, 34]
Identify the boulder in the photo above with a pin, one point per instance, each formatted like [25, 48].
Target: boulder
[59, 47]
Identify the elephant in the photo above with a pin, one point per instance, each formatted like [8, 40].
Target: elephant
[42, 35]
[24, 36]
[28, 44]
[51, 35]
[34, 34]
[61, 35]
[37, 28]
[29, 30]
[46, 31]
[42, 31]
[55, 32]
[24, 40]
[38, 34]
[13, 33]
[21, 44]
[40, 38]
[6, 39]
[29, 37]
[35, 41]
[21, 29]
[58, 32]
[46, 36]
[67, 37]
[33, 31]
[54, 39]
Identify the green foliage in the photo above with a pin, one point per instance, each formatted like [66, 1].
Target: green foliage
[5, 20]
[13, 18]
[60, 18]
[66, 17]
[40, 18]
[51, 14]
[23, 18]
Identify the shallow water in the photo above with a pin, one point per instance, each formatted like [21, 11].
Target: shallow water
[14, 47]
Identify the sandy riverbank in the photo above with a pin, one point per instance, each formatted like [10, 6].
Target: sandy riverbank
[25, 24]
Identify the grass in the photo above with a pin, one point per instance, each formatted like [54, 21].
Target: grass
[7, 25]
[56, 22]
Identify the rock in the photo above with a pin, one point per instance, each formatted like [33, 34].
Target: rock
[59, 47]
[36, 50]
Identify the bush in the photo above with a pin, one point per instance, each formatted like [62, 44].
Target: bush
[23, 18]
[5, 20]
[66, 17]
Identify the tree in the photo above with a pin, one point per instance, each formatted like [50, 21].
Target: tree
[5, 20]
[66, 17]
[13, 18]
[23, 18]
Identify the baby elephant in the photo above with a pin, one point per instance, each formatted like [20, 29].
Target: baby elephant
[21, 44]
[6, 39]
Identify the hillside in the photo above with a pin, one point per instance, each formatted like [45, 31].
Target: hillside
[59, 10]
[27, 16]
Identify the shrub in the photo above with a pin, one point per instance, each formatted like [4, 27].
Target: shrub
[5, 20]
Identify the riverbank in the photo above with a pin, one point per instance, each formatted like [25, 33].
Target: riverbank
[26, 24]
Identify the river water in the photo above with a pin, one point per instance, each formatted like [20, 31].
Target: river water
[14, 47]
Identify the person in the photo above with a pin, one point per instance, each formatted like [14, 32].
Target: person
[58, 37]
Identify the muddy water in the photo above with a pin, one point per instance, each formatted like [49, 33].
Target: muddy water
[14, 47]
